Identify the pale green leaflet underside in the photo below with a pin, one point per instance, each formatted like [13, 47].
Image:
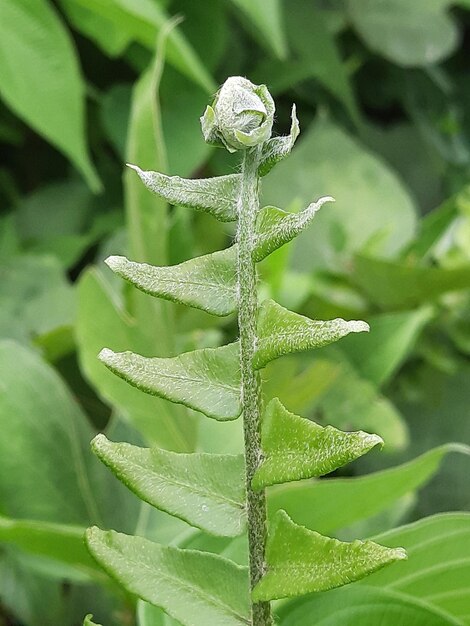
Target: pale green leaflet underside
[207, 282]
[217, 196]
[295, 448]
[206, 380]
[196, 588]
[205, 490]
[300, 561]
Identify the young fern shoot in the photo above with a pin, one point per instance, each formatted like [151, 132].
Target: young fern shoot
[225, 495]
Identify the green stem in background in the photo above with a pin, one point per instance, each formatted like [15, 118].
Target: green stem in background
[248, 205]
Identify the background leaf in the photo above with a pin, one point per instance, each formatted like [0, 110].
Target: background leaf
[438, 570]
[409, 34]
[362, 606]
[37, 56]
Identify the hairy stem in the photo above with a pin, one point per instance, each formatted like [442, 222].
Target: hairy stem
[248, 205]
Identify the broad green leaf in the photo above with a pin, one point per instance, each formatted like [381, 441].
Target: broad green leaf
[35, 297]
[281, 332]
[315, 503]
[294, 447]
[362, 606]
[63, 543]
[327, 161]
[142, 20]
[394, 285]
[103, 321]
[266, 17]
[276, 227]
[87, 621]
[107, 34]
[207, 282]
[278, 148]
[299, 561]
[206, 380]
[41, 421]
[205, 490]
[438, 570]
[217, 196]
[36, 46]
[388, 345]
[411, 34]
[196, 588]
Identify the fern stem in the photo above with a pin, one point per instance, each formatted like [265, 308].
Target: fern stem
[248, 205]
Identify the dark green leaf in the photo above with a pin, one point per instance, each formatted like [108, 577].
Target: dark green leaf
[206, 380]
[196, 588]
[207, 282]
[266, 17]
[299, 561]
[281, 331]
[142, 21]
[205, 490]
[294, 447]
[36, 46]
[217, 196]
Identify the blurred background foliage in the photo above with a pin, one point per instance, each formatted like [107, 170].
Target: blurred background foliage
[382, 90]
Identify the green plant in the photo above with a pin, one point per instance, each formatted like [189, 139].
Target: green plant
[224, 495]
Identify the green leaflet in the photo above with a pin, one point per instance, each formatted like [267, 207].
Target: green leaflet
[206, 380]
[277, 148]
[217, 195]
[207, 282]
[281, 331]
[205, 490]
[295, 448]
[196, 588]
[300, 561]
[87, 621]
[276, 227]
